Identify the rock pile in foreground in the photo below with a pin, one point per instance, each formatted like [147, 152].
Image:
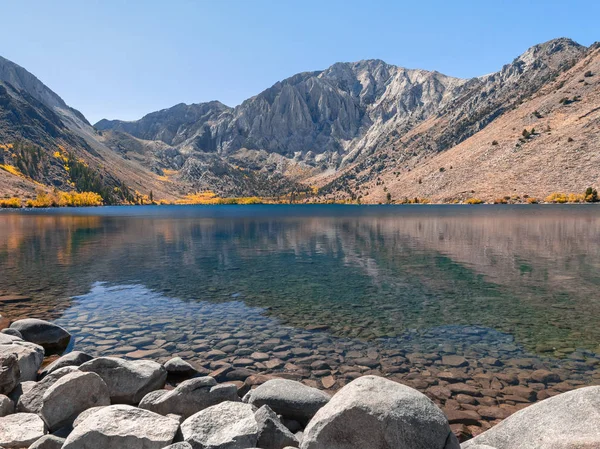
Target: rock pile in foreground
[81, 402]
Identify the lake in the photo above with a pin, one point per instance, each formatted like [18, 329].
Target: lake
[321, 293]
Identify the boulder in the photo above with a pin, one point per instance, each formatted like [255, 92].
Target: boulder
[48, 442]
[29, 355]
[272, 434]
[12, 332]
[373, 412]
[20, 390]
[74, 358]
[189, 397]
[7, 406]
[122, 427]
[128, 381]
[179, 367]
[228, 425]
[182, 445]
[83, 415]
[566, 421]
[10, 373]
[31, 400]
[21, 430]
[288, 398]
[51, 337]
[71, 395]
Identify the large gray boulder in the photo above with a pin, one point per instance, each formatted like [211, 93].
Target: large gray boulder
[373, 412]
[51, 337]
[29, 356]
[10, 373]
[128, 381]
[20, 430]
[85, 414]
[31, 400]
[272, 434]
[566, 421]
[189, 397]
[288, 398]
[71, 395]
[48, 442]
[74, 358]
[7, 406]
[228, 425]
[123, 427]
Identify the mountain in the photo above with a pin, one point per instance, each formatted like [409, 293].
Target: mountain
[355, 130]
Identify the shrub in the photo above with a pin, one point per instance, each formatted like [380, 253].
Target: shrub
[532, 200]
[13, 203]
[570, 139]
[591, 195]
[537, 114]
[556, 197]
[473, 201]
[500, 201]
[494, 142]
[588, 74]
[65, 199]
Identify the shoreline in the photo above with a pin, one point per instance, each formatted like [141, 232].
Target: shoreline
[179, 391]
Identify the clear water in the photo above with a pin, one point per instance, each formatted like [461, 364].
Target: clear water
[505, 281]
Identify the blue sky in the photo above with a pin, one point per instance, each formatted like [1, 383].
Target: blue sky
[123, 59]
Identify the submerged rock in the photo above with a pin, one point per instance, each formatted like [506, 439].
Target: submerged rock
[288, 398]
[51, 337]
[123, 427]
[566, 421]
[373, 412]
[128, 381]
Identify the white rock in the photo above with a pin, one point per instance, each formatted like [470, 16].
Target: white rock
[7, 406]
[31, 401]
[566, 421]
[48, 442]
[20, 430]
[272, 434]
[10, 373]
[288, 398]
[228, 425]
[71, 395]
[373, 412]
[122, 427]
[74, 358]
[29, 355]
[128, 381]
[86, 413]
[178, 366]
[189, 397]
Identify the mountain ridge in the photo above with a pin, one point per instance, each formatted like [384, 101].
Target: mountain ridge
[339, 129]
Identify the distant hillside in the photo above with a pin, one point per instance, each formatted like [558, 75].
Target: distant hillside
[366, 131]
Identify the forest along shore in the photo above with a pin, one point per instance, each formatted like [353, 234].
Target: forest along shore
[75, 399]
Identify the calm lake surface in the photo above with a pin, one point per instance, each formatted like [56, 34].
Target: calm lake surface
[394, 286]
